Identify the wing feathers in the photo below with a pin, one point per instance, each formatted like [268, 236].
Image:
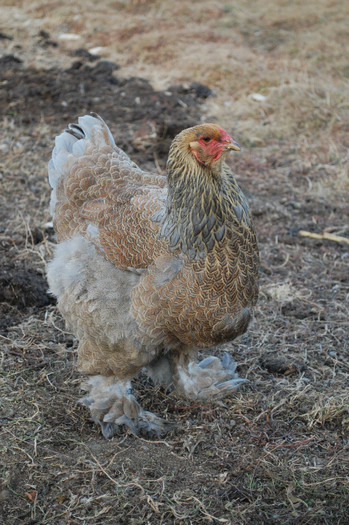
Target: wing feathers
[98, 192]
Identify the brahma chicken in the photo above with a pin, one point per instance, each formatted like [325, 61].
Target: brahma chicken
[150, 268]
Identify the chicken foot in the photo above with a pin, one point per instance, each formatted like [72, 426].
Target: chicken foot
[113, 405]
[212, 378]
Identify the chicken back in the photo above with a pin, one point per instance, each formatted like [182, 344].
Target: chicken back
[150, 268]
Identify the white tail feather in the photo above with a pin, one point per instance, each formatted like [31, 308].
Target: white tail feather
[93, 129]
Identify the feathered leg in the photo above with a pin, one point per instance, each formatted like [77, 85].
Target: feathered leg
[113, 405]
[211, 378]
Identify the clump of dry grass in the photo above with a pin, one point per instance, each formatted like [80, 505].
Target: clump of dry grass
[329, 409]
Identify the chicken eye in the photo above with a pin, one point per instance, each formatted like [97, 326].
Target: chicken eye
[206, 139]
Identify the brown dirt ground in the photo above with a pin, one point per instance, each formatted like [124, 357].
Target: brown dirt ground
[275, 452]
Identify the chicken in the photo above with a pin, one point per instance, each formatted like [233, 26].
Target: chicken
[150, 268]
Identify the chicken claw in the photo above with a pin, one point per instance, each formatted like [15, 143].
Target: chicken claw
[113, 405]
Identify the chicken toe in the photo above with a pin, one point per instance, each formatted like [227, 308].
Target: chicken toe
[113, 406]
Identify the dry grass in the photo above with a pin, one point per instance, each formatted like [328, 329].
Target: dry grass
[276, 452]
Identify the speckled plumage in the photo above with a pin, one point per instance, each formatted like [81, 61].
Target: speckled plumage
[155, 267]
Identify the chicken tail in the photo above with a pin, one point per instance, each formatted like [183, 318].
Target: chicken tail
[72, 142]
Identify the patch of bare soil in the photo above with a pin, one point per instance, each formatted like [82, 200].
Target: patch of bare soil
[139, 113]
[277, 451]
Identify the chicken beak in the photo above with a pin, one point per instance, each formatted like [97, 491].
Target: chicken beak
[232, 145]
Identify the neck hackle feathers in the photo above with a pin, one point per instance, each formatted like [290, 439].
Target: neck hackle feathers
[201, 191]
